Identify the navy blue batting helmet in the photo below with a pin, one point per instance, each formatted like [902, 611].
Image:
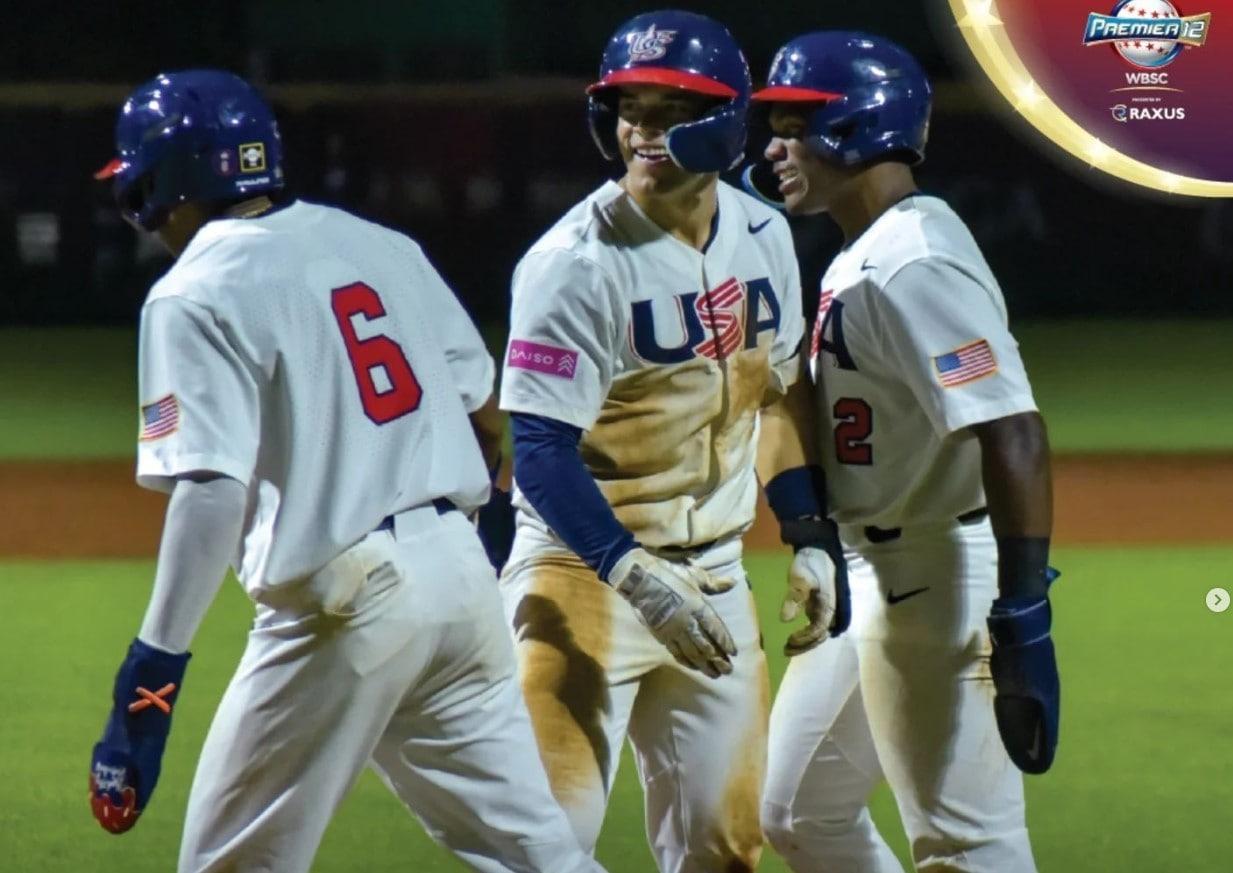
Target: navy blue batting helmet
[196, 135]
[873, 96]
[682, 50]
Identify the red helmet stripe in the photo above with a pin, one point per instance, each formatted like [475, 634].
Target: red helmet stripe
[790, 94]
[664, 76]
[112, 167]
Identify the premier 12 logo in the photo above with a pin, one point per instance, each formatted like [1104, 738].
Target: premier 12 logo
[1147, 34]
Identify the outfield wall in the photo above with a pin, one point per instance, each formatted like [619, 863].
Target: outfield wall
[487, 166]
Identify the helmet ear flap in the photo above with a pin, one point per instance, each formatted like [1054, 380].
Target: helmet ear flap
[712, 144]
[835, 125]
[602, 119]
[870, 131]
[136, 201]
[844, 128]
[147, 200]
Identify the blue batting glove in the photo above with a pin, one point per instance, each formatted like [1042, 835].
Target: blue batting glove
[125, 764]
[1027, 702]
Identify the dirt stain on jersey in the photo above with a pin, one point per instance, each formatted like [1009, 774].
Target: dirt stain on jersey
[649, 450]
[751, 386]
[563, 628]
[650, 416]
[669, 437]
[748, 381]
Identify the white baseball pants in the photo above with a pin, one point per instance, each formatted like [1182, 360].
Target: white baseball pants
[592, 673]
[395, 654]
[904, 695]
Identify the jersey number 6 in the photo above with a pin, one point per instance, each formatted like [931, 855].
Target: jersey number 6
[855, 423]
[403, 395]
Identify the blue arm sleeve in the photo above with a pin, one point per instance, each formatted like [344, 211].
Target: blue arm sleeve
[550, 473]
[797, 493]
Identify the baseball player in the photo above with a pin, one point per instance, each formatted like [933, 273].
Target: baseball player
[312, 394]
[649, 327]
[937, 470]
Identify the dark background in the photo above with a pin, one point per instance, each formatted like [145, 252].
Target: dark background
[463, 123]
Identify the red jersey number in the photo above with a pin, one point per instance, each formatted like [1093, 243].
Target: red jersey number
[855, 423]
[404, 393]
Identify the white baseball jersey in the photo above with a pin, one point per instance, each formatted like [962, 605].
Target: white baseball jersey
[662, 353]
[910, 347]
[321, 361]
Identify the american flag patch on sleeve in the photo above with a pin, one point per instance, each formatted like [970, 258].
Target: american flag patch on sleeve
[965, 364]
[160, 418]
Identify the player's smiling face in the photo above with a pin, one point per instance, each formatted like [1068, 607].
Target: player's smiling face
[808, 183]
[644, 115]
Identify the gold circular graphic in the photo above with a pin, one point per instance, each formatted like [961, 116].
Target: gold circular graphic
[982, 30]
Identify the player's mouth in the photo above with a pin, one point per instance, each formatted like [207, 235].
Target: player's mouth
[790, 179]
[651, 154]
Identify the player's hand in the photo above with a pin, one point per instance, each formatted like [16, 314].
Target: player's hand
[125, 764]
[813, 586]
[1027, 699]
[668, 599]
[817, 583]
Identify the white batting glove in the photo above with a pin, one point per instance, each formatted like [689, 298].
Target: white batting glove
[668, 599]
[811, 586]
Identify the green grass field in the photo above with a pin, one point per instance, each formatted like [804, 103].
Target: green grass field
[1143, 386]
[1142, 780]
[1141, 783]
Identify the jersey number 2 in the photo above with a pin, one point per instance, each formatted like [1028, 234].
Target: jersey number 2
[855, 423]
[404, 393]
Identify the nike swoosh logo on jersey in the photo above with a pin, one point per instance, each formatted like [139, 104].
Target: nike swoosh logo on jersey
[867, 266]
[892, 598]
[754, 228]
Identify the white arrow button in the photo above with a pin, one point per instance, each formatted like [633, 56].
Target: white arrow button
[1217, 600]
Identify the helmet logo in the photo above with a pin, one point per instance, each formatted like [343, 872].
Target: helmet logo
[252, 157]
[649, 44]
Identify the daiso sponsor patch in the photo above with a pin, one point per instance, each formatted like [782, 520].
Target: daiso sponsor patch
[542, 358]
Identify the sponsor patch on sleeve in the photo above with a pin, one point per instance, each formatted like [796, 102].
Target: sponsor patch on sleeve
[965, 364]
[160, 418]
[541, 358]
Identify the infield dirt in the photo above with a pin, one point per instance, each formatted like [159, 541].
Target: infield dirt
[94, 509]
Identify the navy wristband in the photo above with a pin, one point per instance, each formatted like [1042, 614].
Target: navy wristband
[794, 493]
